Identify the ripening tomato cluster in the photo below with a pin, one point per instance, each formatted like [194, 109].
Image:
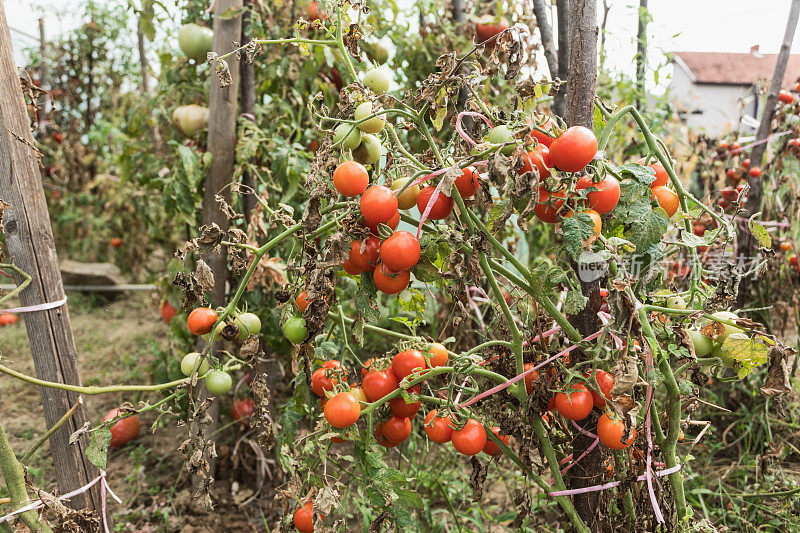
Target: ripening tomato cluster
[785, 246]
[577, 401]
[7, 319]
[571, 152]
[201, 321]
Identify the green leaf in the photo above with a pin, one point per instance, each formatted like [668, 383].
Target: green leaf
[761, 235]
[327, 350]
[409, 499]
[414, 305]
[641, 174]
[646, 225]
[97, 451]
[747, 352]
[425, 271]
[576, 230]
[575, 302]
[365, 298]
[441, 111]
[618, 243]
[498, 209]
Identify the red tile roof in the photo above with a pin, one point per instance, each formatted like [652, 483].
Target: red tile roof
[737, 69]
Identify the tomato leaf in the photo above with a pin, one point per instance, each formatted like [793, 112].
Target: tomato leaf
[441, 109]
[746, 351]
[646, 225]
[760, 233]
[641, 174]
[577, 229]
[414, 305]
[575, 302]
[97, 451]
[326, 350]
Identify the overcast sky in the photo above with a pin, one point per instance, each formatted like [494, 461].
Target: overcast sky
[696, 25]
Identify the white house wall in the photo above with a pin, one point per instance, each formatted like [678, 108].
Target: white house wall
[712, 108]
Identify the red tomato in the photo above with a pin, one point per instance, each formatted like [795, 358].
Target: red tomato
[438, 428]
[490, 448]
[786, 97]
[242, 409]
[6, 319]
[393, 222]
[467, 183]
[603, 294]
[699, 229]
[755, 172]
[577, 405]
[439, 355]
[440, 209]
[541, 137]
[366, 368]
[379, 383]
[548, 209]
[124, 430]
[486, 30]
[536, 158]
[611, 432]
[606, 195]
[378, 205]
[470, 439]
[573, 149]
[116, 242]
[745, 164]
[401, 408]
[201, 320]
[325, 378]
[342, 410]
[399, 252]
[661, 173]
[404, 363]
[381, 438]
[314, 13]
[350, 268]
[735, 148]
[389, 282]
[302, 301]
[728, 192]
[732, 175]
[396, 429]
[167, 312]
[530, 378]
[786, 246]
[723, 145]
[792, 261]
[350, 178]
[606, 383]
[366, 261]
[304, 516]
[667, 199]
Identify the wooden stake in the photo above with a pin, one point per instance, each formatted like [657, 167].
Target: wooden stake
[29, 237]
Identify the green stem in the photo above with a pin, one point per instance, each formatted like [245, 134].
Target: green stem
[61, 421]
[18, 289]
[14, 476]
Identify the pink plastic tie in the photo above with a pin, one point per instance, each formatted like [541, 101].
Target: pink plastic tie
[612, 484]
[513, 380]
[460, 129]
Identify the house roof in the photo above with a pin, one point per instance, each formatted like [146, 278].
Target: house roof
[735, 69]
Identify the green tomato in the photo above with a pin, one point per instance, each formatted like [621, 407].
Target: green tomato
[373, 125]
[376, 52]
[295, 329]
[676, 302]
[377, 80]
[195, 41]
[408, 198]
[702, 344]
[248, 324]
[218, 382]
[190, 361]
[500, 135]
[370, 150]
[724, 315]
[214, 335]
[352, 133]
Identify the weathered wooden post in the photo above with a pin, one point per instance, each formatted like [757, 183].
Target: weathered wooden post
[29, 237]
[581, 88]
[222, 103]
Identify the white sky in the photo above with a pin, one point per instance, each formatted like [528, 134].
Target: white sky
[696, 25]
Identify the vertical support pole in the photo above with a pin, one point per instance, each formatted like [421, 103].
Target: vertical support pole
[29, 237]
[581, 88]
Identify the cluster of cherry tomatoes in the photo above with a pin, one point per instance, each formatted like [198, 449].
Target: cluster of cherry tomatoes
[201, 321]
[737, 178]
[571, 152]
[786, 246]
